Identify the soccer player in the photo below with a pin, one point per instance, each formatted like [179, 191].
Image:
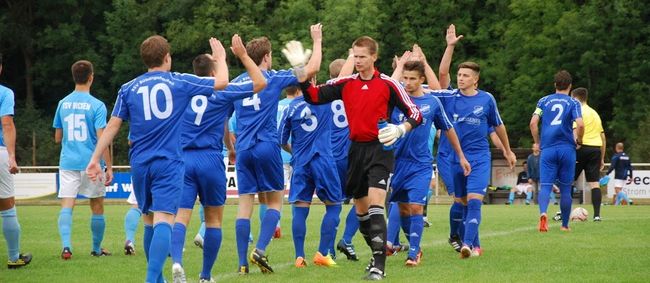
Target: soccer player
[79, 121]
[154, 103]
[523, 186]
[259, 163]
[10, 225]
[369, 97]
[622, 167]
[590, 156]
[557, 112]
[310, 129]
[533, 168]
[413, 158]
[205, 173]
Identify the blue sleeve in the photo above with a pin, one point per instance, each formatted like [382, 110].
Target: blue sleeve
[100, 116]
[629, 168]
[121, 109]
[194, 85]
[284, 78]
[284, 130]
[57, 118]
[612, 164]
[494, 118]
[440, 119]
[7, 104]
[395, 118]
[538, 109]
[236, 91]
[576, 111]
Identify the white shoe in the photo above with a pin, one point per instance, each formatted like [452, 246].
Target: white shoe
[198, 241]
[207, 281]
[178, 274]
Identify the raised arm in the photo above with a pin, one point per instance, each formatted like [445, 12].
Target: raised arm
[297, 56]
[399, 65]
[432, 80]
[445, 62]
[348, 67]
[219, 56]
[238, 48]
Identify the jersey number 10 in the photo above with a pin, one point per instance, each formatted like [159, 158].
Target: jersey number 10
[150, 101]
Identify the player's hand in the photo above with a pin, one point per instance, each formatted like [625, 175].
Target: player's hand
[295, 54]
[405, 58]
[602, 165]
[218, 52]
[237, 46]
[511, 158]
[535, 146]
[231, 157]
[108, 177]
[467, 169]
[94, 171]
[451, 37]
[418, 54]
[316, 32]
[391, 133]
[13, 167]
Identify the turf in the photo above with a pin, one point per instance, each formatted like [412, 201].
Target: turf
[613, 250]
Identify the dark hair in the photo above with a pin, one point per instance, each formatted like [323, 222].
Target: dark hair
[292, 90]
[525, 162]
[81, 71]
[581, 94]
[153, 51]
[203, 65]
[414, 66]
[257, 48]
[335, 68]
[470, 65]
[367, 42]
[563, 80]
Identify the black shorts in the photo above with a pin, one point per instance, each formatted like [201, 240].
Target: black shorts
[369, 165]
[588, 159]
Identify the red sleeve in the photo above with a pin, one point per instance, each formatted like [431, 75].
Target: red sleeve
[325, 93]
[402, 100]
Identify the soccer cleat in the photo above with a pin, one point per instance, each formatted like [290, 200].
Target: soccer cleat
[278, 233]
[198, 241]
[427, 224]
[413, 262]
[565, 229]
[204, 280]
[66, 254]
[374, 274]
[597, 219]
[23, 259]
[243, 270]
[543, 223]
[348, 250]
[371, 264]
[508, 203]
[558, 216]
[455, 242]
[390, 251]
[129, 248]
[102, 252]
[321, 260]
[178, 273]
[476, 252]
[465, 251]
[261, 261]
[527, 202]
[300, 262]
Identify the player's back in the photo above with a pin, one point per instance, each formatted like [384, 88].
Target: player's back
[557, 112]
[154, 104]
[310, 127]
[79, 115]
[6, 107]
[340, 131]
[256, 115]
[282, 105]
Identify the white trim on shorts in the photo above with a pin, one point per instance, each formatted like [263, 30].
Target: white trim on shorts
[72, 183]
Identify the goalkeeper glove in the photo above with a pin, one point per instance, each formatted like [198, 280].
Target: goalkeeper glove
[391, 133]
[295, 54]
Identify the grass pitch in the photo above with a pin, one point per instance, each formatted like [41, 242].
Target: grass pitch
[615, 250]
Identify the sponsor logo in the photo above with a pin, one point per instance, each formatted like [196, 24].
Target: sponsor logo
[364, 87]
[478, 110]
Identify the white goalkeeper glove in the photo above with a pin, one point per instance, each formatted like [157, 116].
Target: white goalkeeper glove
[391, 133]
[295, 54]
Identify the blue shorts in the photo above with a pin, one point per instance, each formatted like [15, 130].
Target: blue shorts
[476, 182]
[342, 169]
[446, 172]
[557, 163]
[410, 183]
[205, 177]
[158, 184]
[259, 169]
[318, 175]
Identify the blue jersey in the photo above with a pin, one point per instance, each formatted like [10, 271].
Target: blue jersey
[205, 119]
[557, 113]
[6, 107]
[340, 131]
[154, 104]
[282, 105]
[472, 116]
[79, 115]
[414, 145]
[432, 137]
[621, 165]
[256, 115]
[310, 130]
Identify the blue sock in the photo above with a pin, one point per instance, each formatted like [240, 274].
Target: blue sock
[267, 228]
[178, 242]
[455, 219]
[477, 242]
[159, 249]
[415, 234]
[299, 229]
[351, 226]
[511, 197]
[11, 231]
[212, 242]
[625, 197]
[552, 197]
[565, 203]
[393, 224]
[529, 197]
[461, 229]
[472, 221]
[148, 233]
[242, 231]
[131, 220]
[202, 217]
[405, 222]
[97, 227]
[544, 196]
[263, 208]
[65, 226]
[328, 227]
[619, 197]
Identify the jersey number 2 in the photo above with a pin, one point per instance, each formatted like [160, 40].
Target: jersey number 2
[558, 118]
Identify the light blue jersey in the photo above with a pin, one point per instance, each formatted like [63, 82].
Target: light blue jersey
[256, 115]
[6, 107]
[282, 105]
[557, 113]
[79, 115]
[154, 104]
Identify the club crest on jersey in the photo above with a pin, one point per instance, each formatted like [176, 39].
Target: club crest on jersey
[478, 110]
[425, 109]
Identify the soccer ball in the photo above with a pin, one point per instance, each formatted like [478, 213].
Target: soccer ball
[579, 214]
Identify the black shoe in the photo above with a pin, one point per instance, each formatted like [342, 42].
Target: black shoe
[66, 254]
[129, 248]
[558, 216]
[374, 274]
[455, 243]
[243, 270]
[371, 264]
[261, 261]
[102, 252]
[23, 259]
[347, 250]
